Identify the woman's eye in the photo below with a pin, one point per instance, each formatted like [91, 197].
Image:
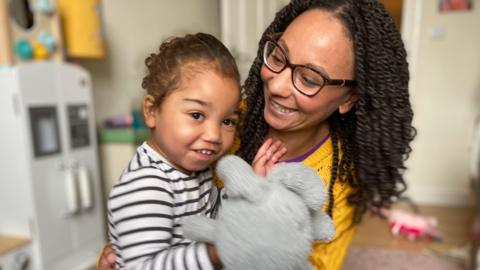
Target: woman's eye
[309, 82]
[196, 115]
[230, 122]
[277, 59]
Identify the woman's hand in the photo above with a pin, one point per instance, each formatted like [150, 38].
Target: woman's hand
[106, 261]
[267, 156]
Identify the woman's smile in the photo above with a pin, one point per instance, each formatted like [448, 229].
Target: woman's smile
[280, 108]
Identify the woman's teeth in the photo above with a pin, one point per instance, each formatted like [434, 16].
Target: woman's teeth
[282, 109]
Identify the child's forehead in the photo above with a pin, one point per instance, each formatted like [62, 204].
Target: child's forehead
[210, 87]
[198, 71]
[195, 67]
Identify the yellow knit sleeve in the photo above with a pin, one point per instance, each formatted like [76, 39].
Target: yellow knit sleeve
[332, 254]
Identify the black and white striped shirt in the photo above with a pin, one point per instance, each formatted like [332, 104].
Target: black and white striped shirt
[145, 212]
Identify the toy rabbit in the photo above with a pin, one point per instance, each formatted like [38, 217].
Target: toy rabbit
[266, 224]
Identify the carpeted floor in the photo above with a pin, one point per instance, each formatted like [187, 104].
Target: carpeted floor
[375, 248]
[363, 258]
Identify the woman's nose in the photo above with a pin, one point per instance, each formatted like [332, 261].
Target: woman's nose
[281, 83]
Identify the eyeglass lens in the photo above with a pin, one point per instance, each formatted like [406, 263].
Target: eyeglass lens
[305, 79]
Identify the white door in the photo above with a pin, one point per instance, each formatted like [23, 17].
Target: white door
[243, 22]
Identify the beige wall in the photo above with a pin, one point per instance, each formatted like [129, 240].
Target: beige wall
[132, 30]
[444, 53]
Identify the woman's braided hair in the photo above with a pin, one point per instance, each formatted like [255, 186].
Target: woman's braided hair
[374, 136]
[184, 57]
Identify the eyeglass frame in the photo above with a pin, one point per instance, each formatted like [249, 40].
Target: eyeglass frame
[326, 79]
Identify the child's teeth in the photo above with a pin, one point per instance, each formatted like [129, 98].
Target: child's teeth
[205, 152]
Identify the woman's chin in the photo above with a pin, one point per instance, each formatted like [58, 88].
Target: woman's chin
[276, 123]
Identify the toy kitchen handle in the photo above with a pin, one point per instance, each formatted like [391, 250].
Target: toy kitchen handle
[71, 193]
[84, 182]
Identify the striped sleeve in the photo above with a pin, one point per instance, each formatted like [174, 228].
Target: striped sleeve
[141, 223]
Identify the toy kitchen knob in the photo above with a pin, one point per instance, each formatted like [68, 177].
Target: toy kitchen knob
[45, 7]
[39, 51]
[48, 41]
[24, 49]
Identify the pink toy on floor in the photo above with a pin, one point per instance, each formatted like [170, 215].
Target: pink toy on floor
[411, 225]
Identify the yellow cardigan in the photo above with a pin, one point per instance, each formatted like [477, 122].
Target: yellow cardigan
[328, 256]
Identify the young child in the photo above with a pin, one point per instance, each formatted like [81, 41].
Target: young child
[191, 107]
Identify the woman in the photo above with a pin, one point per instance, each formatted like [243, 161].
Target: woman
[331, 81]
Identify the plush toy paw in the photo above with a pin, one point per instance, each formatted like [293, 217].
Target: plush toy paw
[267, 223]
[200, 228]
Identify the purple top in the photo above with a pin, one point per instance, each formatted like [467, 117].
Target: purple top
[304, 156]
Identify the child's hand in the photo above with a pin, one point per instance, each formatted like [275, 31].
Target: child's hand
[106, 261]
[267, 156]
[213, 256]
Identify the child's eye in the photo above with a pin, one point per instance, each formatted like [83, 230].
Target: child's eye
[196, 115]
[230, 122]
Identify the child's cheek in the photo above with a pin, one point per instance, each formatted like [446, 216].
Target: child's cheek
[229, 141]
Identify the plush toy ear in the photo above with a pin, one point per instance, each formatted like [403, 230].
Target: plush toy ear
[301, 180]
[240, 179]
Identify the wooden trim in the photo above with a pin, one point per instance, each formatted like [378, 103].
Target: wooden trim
[5, 49]
[9, 243]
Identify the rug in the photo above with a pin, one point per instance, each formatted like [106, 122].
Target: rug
[361, 258]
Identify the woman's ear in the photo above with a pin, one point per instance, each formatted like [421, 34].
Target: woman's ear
[149, 111]
[352, 98]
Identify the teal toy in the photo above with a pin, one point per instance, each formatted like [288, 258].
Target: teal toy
[24, 49]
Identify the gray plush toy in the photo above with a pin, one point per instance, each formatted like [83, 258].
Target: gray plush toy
[266, 223]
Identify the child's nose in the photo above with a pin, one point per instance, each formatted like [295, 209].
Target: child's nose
[212, 133]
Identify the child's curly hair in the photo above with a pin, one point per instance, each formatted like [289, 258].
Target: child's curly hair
[375, 135]
[184, 57]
